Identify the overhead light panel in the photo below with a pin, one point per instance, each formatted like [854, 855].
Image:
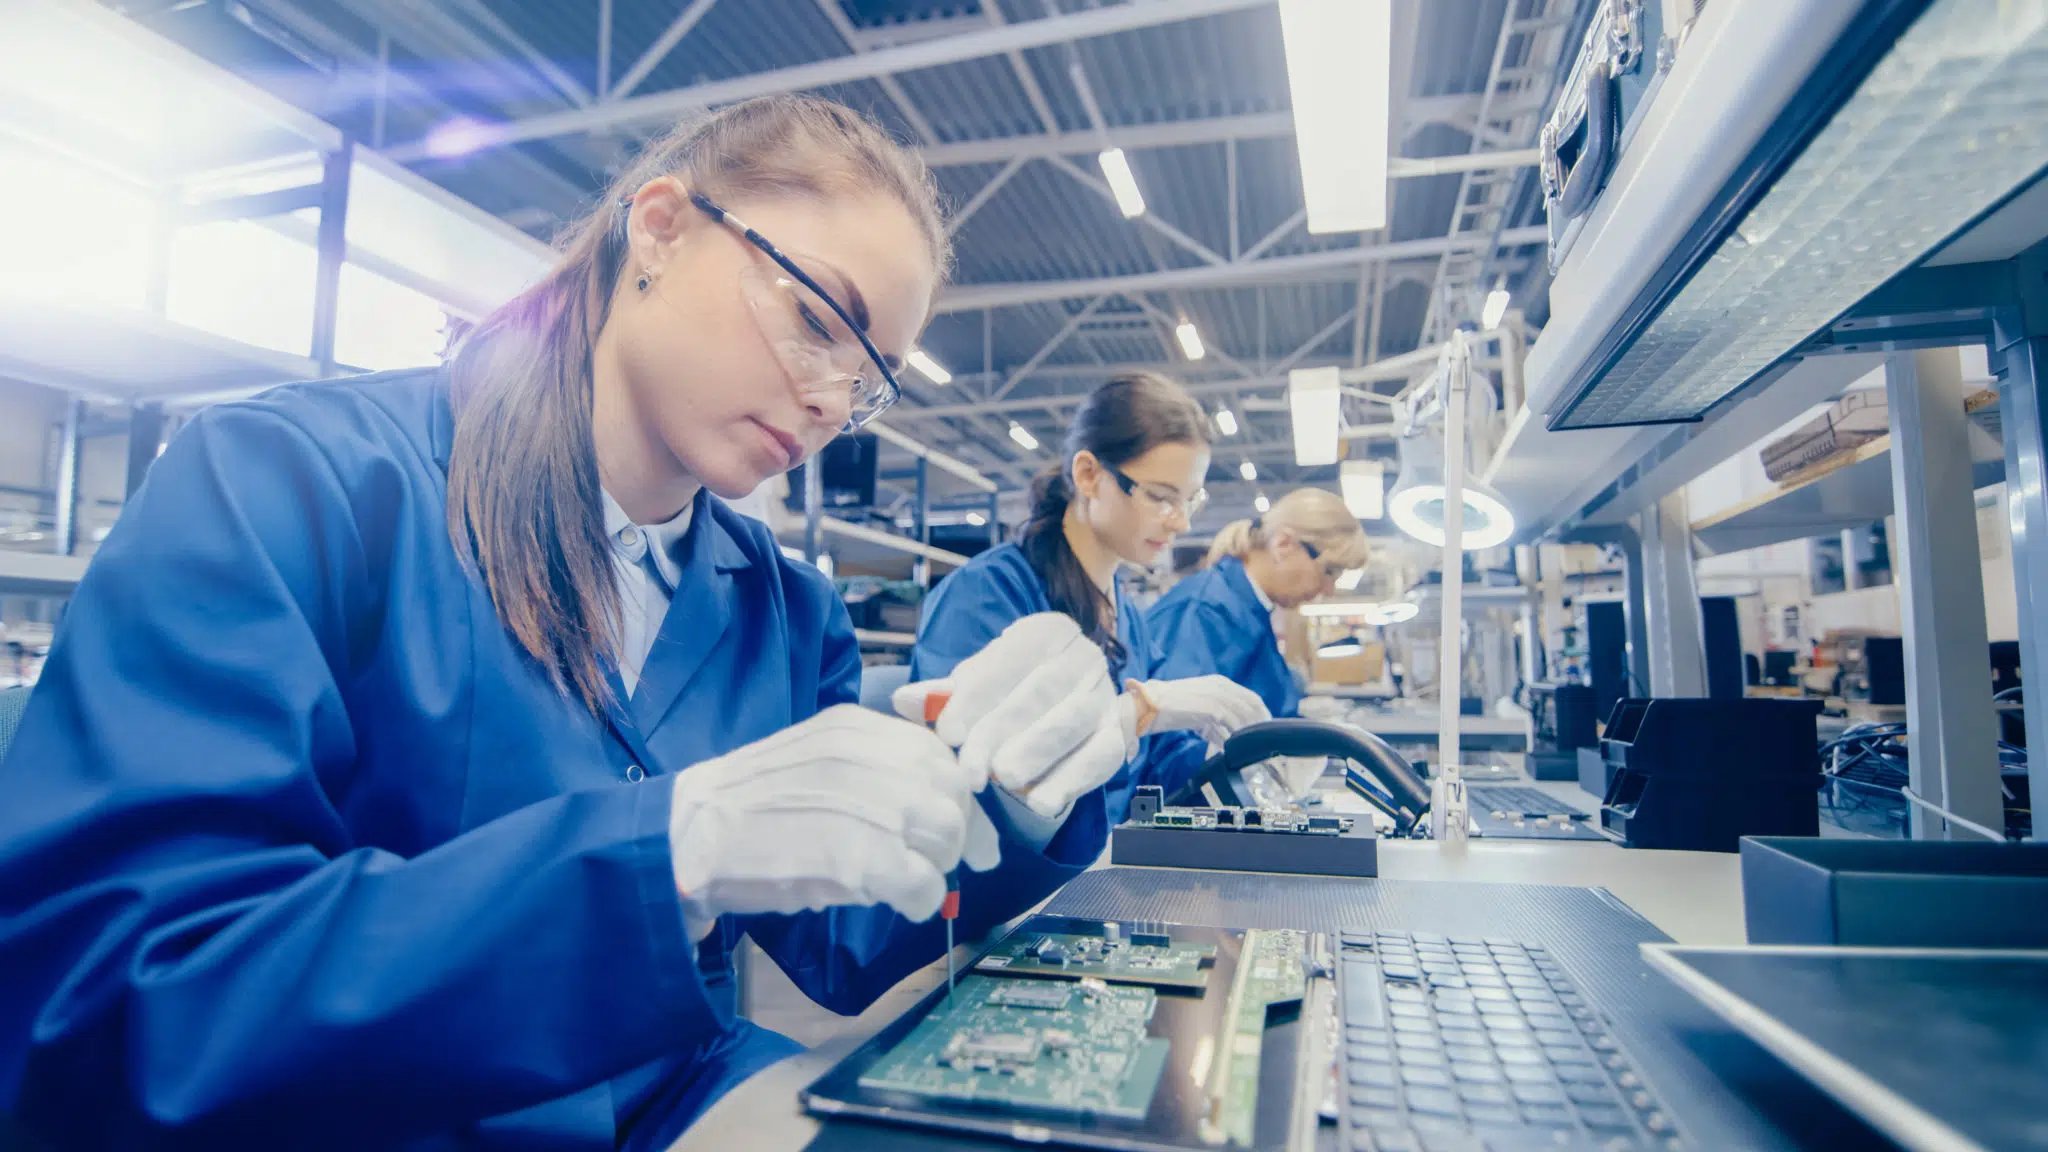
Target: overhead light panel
[929, 368]
[1262, 504]
[1365, 488]
[1124, 186]
[1023, 437]
[1226, 422]
[1248, 470]
[1315, 399]
[1190, 340]
[1339, 61]
[1496, 308]
[977, 519]
[1349, 581]
[1948, 123]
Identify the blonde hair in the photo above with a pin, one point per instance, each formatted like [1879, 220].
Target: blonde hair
[524, 504]
[1312, 514]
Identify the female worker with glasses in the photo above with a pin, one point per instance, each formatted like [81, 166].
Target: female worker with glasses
[1129, 480]
[419, 746]
[1220, 620]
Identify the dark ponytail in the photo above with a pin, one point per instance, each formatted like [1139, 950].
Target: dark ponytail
[1118, 422]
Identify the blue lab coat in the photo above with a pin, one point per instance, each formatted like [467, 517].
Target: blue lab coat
[973, 606]
[1213, 622]
[299, 848]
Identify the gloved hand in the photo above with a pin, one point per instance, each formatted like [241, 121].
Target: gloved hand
[848, 807]
[1034, 710]
[1213, 707]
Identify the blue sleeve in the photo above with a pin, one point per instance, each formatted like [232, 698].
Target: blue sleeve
[197, 954]
[844, 958]
[1196, 638]
[971, 608]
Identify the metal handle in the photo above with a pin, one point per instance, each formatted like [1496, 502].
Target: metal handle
[1582, 184]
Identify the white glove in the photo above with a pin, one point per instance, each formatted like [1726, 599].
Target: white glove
[1213, 707]
[1034, 710]
[849, 807]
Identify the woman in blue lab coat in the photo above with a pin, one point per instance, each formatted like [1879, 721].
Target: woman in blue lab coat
[1129, 481]
[418, 746]
[1220, 620]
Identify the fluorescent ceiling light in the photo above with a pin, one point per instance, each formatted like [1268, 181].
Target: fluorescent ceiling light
[1226, 421]
[1349, 581]
[1248, 470]
[1338, 608]
[1314, 399]
[1124, 186]
[1365, 488]
[1339, 60]
[977, 519]
[1496, 308]
[929, 368]
[1947, 124]
[1190, 340]
[1023, 436]
[1262, 504]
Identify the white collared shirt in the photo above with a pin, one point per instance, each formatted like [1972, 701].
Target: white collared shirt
[643, 599]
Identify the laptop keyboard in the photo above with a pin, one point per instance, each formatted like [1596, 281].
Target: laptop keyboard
[1515, 799]
[1465, 1045]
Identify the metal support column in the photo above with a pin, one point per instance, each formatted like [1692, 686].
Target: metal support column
[921, 512]
[2021, 367]
[1949, 717]
[332, 249]
[1671, 600]
[145, 440]
[995, 529]
[69, 454]
[814, 510]
[1635, 581]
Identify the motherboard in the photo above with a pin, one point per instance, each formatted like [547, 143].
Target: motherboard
[1142, 956]
[1078, 1048]
[1149, 808]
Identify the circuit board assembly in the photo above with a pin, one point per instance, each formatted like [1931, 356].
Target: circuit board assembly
[1077, 1048]
[1149, 809]
[1150, 958]
[1270, 972]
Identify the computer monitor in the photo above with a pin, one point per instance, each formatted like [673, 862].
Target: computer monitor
[1606, 653]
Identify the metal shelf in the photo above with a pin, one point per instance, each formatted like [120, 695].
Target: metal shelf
[884, 639]
[871, 548]
[1855, 492]
[39, 573]
[127, 354]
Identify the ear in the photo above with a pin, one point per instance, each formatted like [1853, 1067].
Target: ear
[662, 217]
[1280, 540]
[1086, 472]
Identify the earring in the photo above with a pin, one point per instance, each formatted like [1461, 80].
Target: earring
[646, 280]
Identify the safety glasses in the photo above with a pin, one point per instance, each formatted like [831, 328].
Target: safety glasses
[1316, 554]
[1168, 500]
[816, 340]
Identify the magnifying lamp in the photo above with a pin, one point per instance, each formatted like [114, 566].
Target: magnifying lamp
[1416, 505]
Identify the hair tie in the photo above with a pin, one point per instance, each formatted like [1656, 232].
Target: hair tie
[1258, 522]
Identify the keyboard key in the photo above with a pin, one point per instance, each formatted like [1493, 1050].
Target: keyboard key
[1539, 1093]
[1546, 1113]
[1526, 995]
[1415, 1076]
[1354, 939]
[1396, 1140]
[1467, 1050]
[1561, 1055]
[1602, 1042]
[1603, 1118]
[1405, 1025]
[1492, 995]
[1361, 987]
[1362, 1141]
[1657, 1122]
[1363, 1116]
[1484, 980]
[1526, 1074]
[1423, 1058]
[1364, 1097]
[1506, 1039]
[1484, 1093]
[1587, 1095]
[1407, 1040]
[1458, 1022]
[1497, 1008]
[1468, 1072]
[1361, 1035]
[1552, 1037]
[1628, 1079]
[1398, 971]
[1503, 1114]
[1522, 1056]
[1371, 1075]
[1408, 1008]
[1370, 1053]
[1498, 1024]
[1457, 1008]
[1641, 1100]
[1580, 1074]
[1549, 1009]
[1450, 1140]
[1433, 1101]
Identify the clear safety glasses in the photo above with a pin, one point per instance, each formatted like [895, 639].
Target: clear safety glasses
[816, 340]
[1167, 500]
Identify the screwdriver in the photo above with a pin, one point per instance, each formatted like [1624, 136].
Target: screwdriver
[949, 908]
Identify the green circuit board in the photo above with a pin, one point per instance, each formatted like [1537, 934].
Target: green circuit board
[1270, 971]
[1149, 958]
[1068, 1048]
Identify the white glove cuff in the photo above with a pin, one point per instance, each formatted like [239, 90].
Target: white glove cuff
[692, 831]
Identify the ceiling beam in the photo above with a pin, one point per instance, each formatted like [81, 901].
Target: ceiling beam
[672, 105]
[968, 297]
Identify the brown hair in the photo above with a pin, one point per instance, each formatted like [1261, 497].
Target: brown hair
[1314, 514]
[524, 503]
[1118, 422]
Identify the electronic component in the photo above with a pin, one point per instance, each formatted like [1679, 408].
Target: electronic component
[1148, 809]
[1091, 1056]
[1032, 994]
[1269, 972]
[1149, 958]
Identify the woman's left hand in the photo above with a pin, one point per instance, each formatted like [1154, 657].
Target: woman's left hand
[1210, 706]
[1035, 709]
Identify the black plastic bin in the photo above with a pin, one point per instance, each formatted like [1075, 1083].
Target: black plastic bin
[1895, 893]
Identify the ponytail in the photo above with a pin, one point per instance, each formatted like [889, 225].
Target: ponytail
[1044, 541]
[1237, 538]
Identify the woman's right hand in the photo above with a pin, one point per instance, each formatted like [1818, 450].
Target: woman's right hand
[849, 807]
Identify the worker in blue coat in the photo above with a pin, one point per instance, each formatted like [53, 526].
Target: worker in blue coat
[1129, 480]
[1220, 620]
[418, 747]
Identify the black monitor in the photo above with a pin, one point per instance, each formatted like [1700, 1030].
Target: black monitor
[1722, 636]
[1778, 668]
[1606, 653]
[848, 466]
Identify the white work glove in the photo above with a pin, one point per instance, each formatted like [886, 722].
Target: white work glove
[850, 807]
[1212, 707]
[1034, 710]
